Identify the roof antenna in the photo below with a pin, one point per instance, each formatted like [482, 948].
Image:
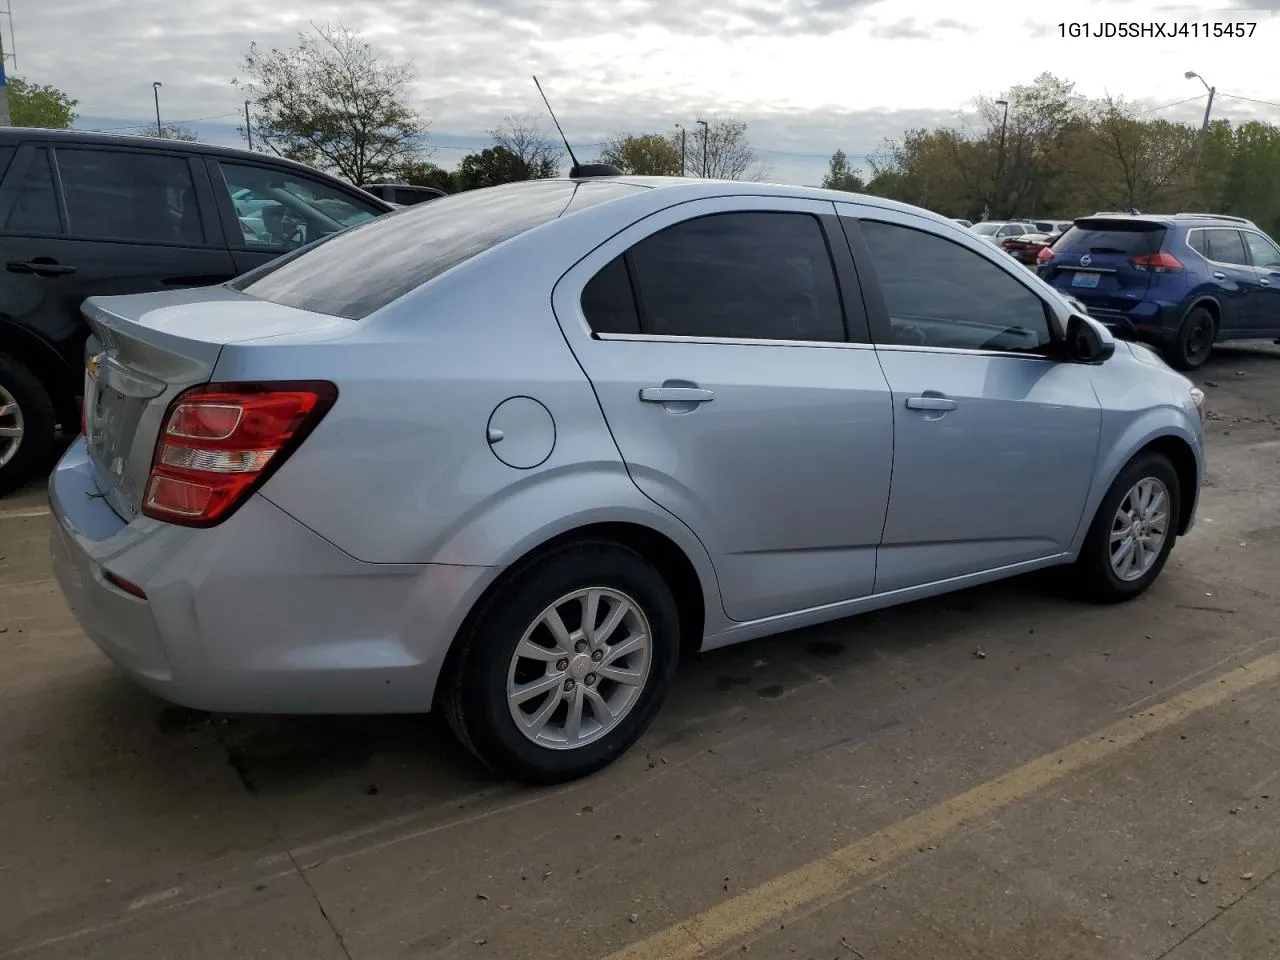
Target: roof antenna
[578, 170]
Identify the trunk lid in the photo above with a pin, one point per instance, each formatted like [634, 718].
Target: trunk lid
[1093, 261]
[143, 351]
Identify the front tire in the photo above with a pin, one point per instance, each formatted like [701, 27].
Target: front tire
[27, 424]
[1194, 341]
[565, 665]
[1132, 533]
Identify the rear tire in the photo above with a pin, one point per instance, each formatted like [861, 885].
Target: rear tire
[1141, 509]
[487, 693]
[27, 424]
[1194, 341]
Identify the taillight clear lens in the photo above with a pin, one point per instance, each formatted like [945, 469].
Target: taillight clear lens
[219, 443]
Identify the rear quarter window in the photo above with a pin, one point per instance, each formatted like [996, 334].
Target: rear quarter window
[363, 269]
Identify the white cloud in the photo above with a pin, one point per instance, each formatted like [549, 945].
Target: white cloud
[808, 75]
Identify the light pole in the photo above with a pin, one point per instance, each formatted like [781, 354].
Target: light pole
[705, 133]
[683, 169]
[1004, 123]
[248, 129]
[155, 89]
[1192, 75]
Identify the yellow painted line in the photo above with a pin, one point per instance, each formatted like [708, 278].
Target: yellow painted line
[837, 873]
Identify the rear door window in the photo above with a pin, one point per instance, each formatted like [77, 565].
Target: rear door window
[1225, 246]
[748, 275]
[283, 210]
[36, 209]
[352, 274]
[608, 302]
[127, 195]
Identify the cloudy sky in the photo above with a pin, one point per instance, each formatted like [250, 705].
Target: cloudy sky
[809, 76]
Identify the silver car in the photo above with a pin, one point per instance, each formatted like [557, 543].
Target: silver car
[513, 453]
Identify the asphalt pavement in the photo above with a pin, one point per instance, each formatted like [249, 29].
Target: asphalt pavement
[998, 774]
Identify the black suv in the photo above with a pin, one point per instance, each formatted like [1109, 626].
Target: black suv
[84, 214]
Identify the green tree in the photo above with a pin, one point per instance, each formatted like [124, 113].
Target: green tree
[645, 154]
[423, 173]
[40, 105]
[490, 167]
[335, 102]
[841, 176]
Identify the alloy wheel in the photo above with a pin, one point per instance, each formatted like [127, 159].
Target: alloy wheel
[579, 668]
[12, 426]
[1139, 529]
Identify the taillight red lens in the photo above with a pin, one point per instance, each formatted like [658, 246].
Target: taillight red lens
[1157, 263]
[1045, 255]
[220, 442]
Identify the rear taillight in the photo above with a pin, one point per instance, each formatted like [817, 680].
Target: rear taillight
[220, 442]
[1156, 263]
[1045, 255]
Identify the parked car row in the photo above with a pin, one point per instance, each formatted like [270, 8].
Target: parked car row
[84, 214]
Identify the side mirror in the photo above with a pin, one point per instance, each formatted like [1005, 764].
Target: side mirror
[1088, 341]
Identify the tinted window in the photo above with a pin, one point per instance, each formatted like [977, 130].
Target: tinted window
[36, 209]
[607, 300]
[6, 156]
[940, 294]
[1196, 241]
[1263, 252]
[357, 272]
[129, 196]
[1119, 238]
[282, 210]
[1225, 246]
[765, 276]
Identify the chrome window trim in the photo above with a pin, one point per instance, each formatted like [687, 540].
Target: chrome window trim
[1271, 243]
[837, 344]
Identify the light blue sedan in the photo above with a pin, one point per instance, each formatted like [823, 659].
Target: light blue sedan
[515, 452]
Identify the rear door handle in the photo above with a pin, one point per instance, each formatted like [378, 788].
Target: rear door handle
[38, 268]
[1219, 275]
[931, 403]
[676, 395]
[1264, 281]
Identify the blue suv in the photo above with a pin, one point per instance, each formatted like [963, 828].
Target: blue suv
[1181, 282]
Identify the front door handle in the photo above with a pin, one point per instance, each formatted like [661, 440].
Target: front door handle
[41, 268]
[1264, 281]
[931, 403]
[1219, 275]
[676, 395]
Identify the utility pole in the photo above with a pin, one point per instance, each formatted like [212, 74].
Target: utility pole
[6, 118]
[1000, 163]
[683, 167]
[248, 130]
[155, 89]
[705, 133]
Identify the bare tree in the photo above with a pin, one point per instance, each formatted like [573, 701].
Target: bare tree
[335, 102]
[728, 153]
[524, 138]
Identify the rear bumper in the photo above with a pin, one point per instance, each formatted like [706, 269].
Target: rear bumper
[257, 615]
[1149, 321]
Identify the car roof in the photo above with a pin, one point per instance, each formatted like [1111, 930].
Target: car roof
[695, 188]
[11, 136]
[1170, 219]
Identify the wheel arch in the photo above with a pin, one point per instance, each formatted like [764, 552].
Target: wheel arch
[1212, 306]
[47, 365]
[668, 557]
[1164, 435]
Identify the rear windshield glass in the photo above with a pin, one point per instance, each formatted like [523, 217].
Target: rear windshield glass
[360, 270]
[1111, 237]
